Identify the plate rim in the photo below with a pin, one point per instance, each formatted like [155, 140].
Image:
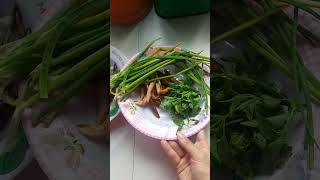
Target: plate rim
[189, 132]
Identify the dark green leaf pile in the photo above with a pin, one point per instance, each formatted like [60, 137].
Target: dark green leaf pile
[249, 126]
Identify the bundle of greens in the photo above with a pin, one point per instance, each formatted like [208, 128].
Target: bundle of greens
[267, 32]
[55, 62]
[150, 74]
[249, 126]
[182, 102]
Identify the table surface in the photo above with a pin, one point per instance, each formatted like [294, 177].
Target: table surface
[134, 156]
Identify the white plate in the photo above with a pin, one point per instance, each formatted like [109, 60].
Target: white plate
[144, 120]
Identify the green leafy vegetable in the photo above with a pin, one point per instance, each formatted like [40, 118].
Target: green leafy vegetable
[182, 102]
[249, 122]
[273, 40]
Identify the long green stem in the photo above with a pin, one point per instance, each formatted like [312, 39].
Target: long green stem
[68, 93]
[79, 68]
[104, 16]
[74, 40]
[303, 3]
[47, 59]
[136, 83]
[82, 48]
[174, 75]
[301, 82]
[245, 26]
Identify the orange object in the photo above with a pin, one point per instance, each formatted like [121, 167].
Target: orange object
[128, 11]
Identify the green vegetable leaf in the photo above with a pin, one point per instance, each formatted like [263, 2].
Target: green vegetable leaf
[178, 122]
[260, 141]
[279, 120]
[270, 102]
[251, 123]
[238, 140]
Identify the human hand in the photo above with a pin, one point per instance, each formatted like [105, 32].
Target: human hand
[192, 161]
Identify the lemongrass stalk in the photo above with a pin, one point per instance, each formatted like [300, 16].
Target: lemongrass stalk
[246, 25]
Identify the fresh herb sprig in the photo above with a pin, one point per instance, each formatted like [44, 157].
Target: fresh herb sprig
[183, 102]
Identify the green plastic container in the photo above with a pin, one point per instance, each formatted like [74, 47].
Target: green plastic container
[181, 8]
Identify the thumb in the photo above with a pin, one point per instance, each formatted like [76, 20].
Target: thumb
[187, 145]
[201, 140]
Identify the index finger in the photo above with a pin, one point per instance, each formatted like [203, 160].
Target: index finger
[169, 151]
[187, 145]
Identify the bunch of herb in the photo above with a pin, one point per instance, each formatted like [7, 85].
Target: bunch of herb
[249, 125]
[183, 102]
[265, 28]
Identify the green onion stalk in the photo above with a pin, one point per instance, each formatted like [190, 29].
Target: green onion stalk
[62, 56]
